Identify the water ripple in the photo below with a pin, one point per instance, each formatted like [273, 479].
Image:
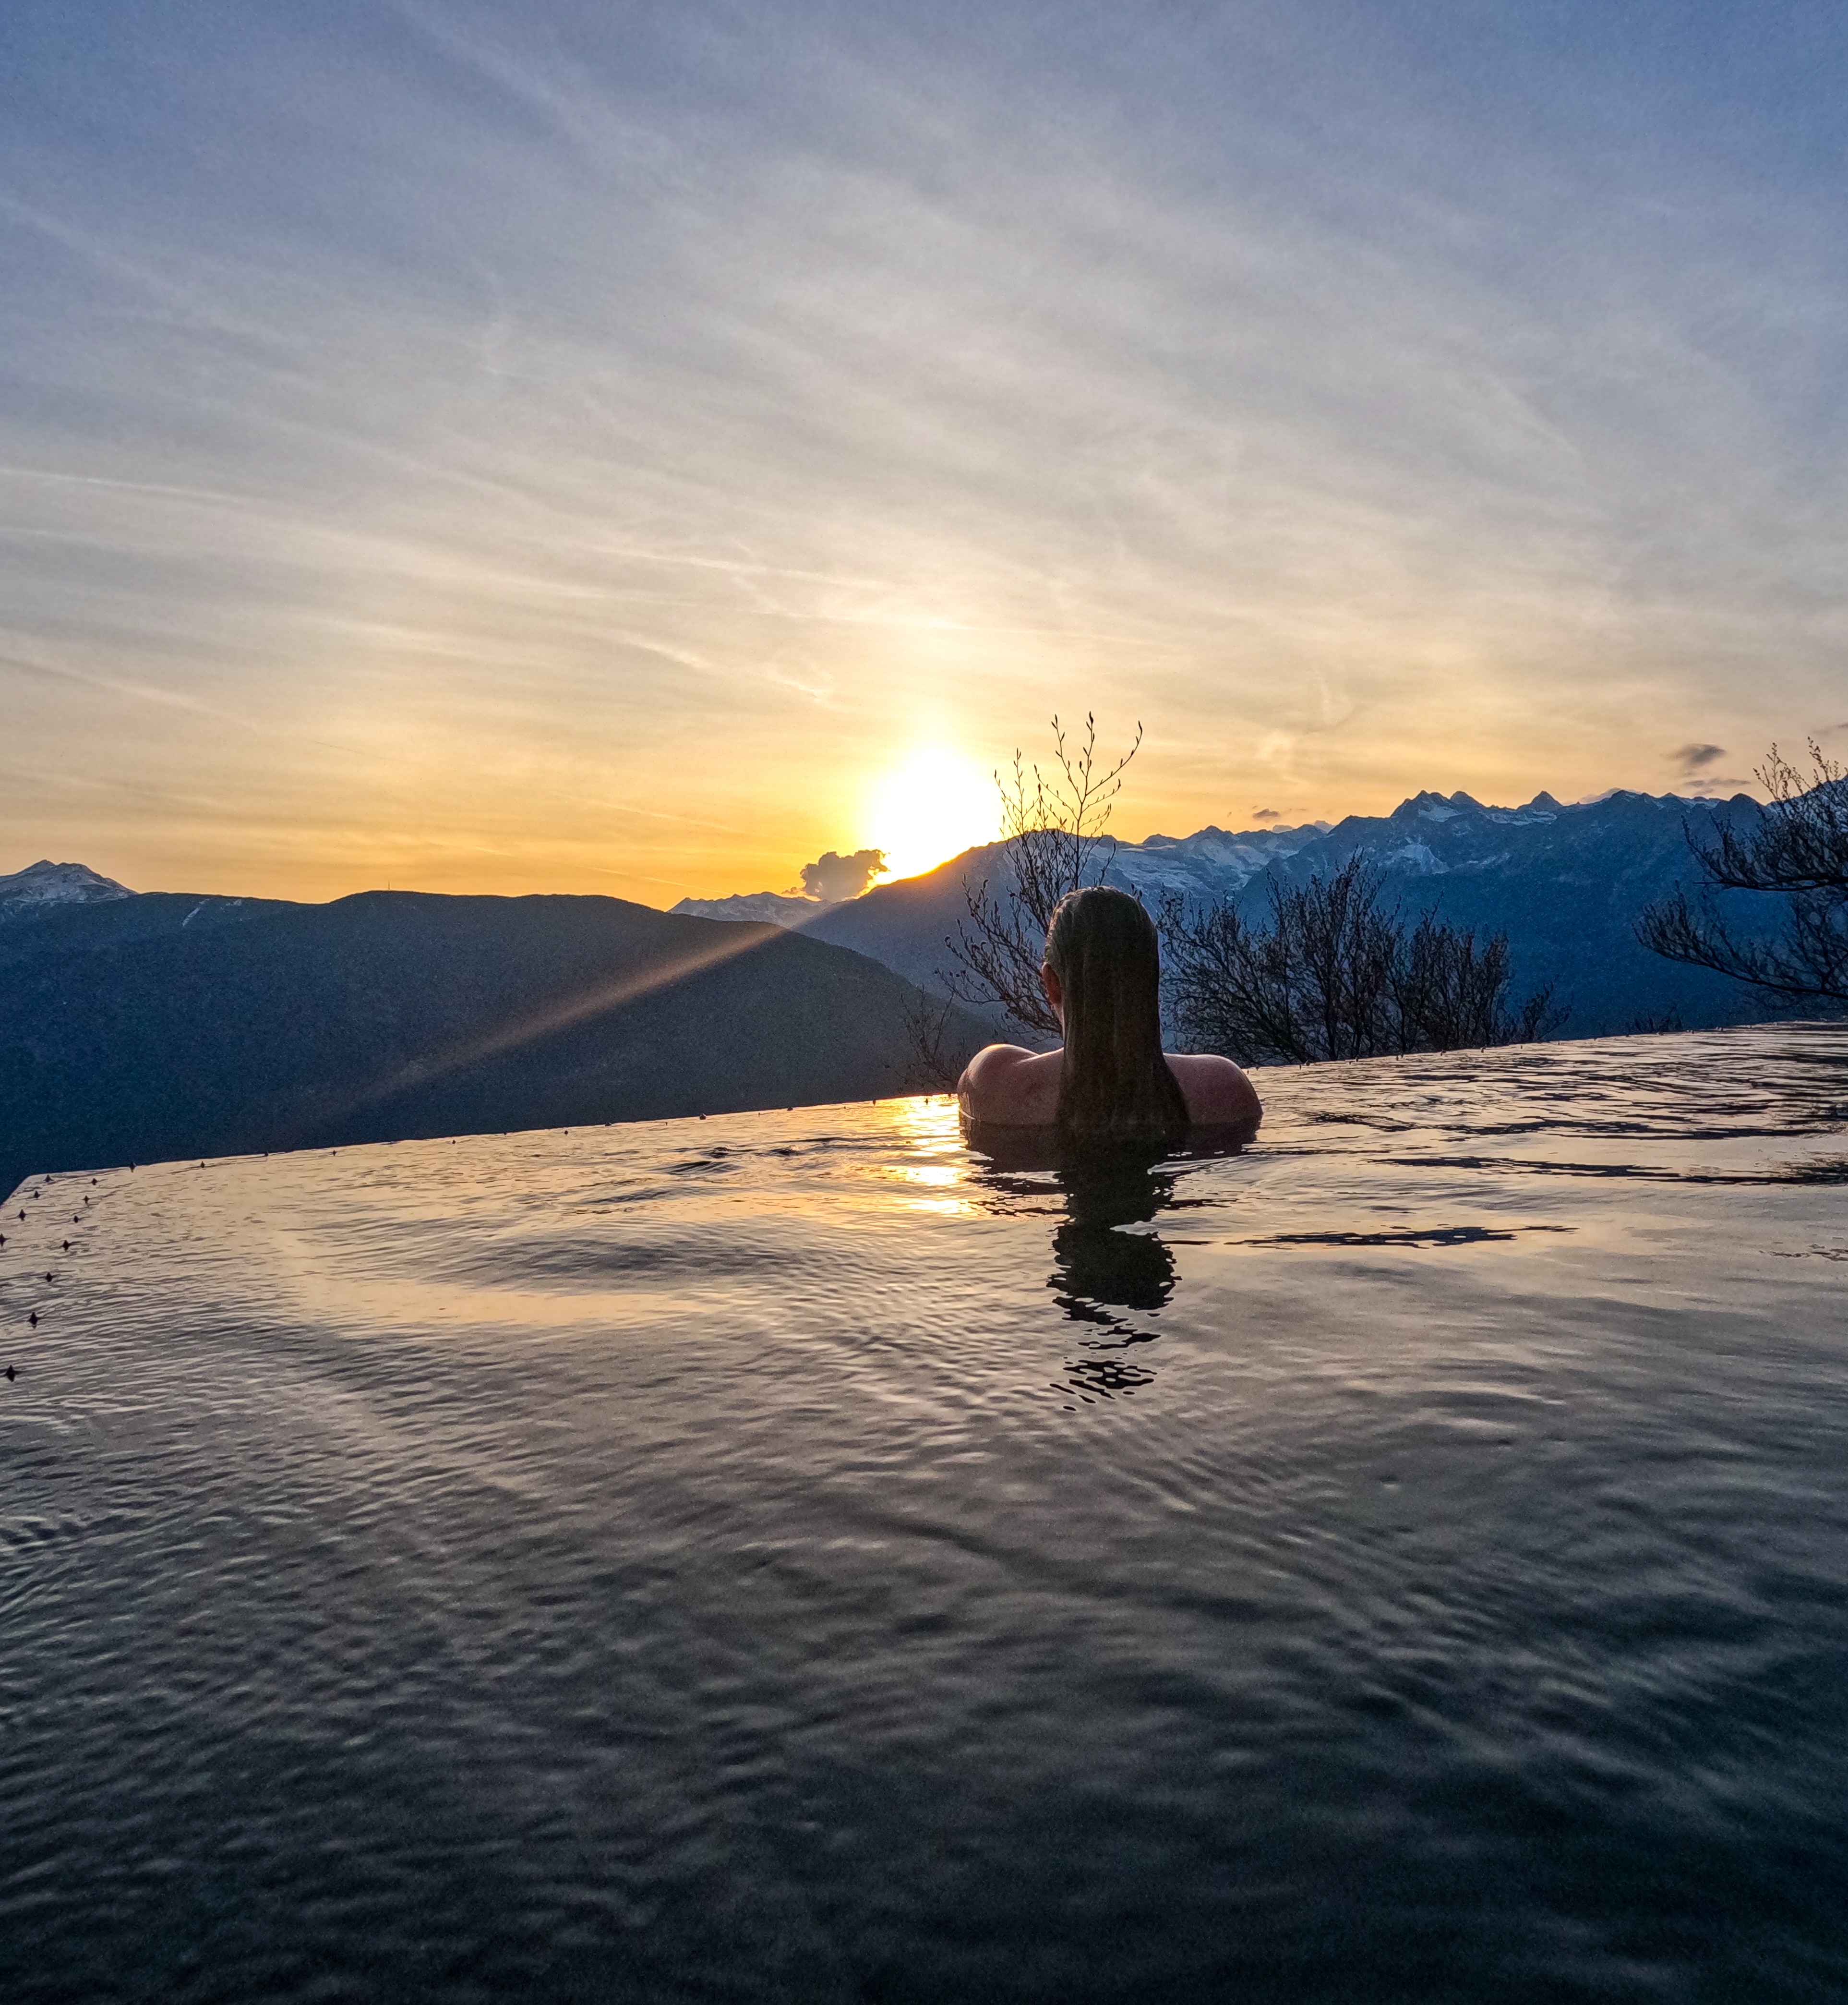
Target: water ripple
[799, 1555]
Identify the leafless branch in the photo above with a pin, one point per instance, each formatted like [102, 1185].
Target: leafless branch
[1334, 974]
[1054, 825]
[937, 1056]
[1797, 848]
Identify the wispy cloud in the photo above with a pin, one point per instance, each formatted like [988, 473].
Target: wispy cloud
[570, 406]
[1695, 765]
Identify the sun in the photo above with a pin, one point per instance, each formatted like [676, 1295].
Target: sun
[932, 806]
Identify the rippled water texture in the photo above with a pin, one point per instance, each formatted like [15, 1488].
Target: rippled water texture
[786, 1557]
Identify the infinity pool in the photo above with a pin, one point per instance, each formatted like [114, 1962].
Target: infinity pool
[791, 1557]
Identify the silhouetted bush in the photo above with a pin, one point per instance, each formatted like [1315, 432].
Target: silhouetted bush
[1336, 974]
[1797, 849]
[1054, 835]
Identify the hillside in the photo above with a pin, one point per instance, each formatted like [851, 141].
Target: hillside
[143, 1028]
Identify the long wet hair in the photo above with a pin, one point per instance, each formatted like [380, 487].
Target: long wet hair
[1115, 1084]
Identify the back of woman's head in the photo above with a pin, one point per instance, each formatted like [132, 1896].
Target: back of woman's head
[1115, 1082]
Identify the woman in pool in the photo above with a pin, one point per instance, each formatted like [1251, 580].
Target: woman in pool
[1111, 1082]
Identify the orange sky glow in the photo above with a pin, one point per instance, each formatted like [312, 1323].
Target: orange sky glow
[438, 453]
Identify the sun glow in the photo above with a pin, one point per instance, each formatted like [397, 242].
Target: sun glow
[929, 808]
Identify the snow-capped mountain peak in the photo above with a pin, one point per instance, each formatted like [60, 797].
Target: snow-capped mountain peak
[777, 908]
[45, 883]
[1431, 807]
[1210, 861]
[1428, 806]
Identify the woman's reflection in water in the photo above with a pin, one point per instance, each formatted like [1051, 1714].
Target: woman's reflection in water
[1103, 1264]
[1097, 1265]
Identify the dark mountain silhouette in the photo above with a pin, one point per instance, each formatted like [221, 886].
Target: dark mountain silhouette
[1565, 884]
[904, 925]
[140, 1029]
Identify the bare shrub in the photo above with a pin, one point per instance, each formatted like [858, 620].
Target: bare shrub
[1796, 849]
[937, 1051]
[1052, 826]
[1336, 974]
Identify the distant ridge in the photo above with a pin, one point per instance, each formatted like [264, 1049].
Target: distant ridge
[774, 909]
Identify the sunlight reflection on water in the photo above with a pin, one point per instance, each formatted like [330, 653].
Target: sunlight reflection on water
[801, 1555]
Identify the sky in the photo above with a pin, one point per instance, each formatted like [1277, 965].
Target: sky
[643, 449]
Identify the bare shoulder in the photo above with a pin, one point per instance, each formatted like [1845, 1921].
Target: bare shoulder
[1218, 1094]
[1011, 1086]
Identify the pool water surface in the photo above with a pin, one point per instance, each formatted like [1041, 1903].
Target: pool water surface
[793, 1557]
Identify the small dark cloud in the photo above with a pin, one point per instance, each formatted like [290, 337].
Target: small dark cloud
[1266, 814]
[834, 877]
[1692, 758]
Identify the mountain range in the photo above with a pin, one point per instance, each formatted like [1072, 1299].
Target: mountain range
[136, 1028]
[1564, 883]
